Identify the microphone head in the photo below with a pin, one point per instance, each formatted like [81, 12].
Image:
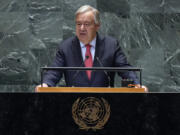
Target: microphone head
[87, 57]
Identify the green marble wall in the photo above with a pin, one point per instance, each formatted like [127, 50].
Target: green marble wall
[148, 32]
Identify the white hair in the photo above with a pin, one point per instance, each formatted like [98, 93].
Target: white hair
[87, 8]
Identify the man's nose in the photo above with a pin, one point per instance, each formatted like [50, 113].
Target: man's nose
[82, 27]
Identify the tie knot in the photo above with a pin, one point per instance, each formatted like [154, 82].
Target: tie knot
[88, 46]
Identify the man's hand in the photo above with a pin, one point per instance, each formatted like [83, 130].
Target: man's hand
[43, 85]
[139, 86]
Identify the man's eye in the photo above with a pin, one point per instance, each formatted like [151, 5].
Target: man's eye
[86, 24]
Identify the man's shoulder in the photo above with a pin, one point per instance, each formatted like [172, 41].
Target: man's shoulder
[107, 38]
[108, 41]
[68, 42]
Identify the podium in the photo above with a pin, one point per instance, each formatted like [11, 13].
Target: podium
[91, 110]
[90, 90]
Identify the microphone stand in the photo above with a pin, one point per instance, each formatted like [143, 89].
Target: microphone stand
[109, 79]
[77, 72]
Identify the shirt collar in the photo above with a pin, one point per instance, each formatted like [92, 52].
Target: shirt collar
[92, 43]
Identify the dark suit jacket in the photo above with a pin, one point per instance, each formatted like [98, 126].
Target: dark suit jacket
[69, 55]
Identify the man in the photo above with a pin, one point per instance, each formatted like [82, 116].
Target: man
[88, 49]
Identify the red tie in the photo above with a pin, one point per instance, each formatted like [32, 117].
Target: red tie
[88, 60]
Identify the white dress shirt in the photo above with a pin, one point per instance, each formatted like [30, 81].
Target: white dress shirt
[93, 46]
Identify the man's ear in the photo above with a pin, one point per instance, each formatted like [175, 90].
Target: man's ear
[97, 27]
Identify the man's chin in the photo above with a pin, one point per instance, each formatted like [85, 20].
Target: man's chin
[83, 37]
[83, 40]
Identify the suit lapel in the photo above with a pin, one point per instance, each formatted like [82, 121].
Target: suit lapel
[76, 50]
[77, 56]
[99, 51]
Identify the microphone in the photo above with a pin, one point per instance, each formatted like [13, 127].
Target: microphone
[77, 72]
[87, 57]
[109, 79]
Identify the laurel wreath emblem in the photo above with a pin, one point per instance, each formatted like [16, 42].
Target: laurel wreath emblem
[101, 114]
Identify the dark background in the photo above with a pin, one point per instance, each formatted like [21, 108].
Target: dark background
[51, 114]
[148, 32]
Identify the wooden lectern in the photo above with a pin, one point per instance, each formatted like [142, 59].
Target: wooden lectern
[90, 89]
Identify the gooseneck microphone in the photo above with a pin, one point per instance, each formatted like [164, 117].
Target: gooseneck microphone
[109, 79]
[77, 72]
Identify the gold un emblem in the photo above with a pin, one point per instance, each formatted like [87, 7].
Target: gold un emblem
[90, 113]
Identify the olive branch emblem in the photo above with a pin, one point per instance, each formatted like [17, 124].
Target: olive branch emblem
[101, 114]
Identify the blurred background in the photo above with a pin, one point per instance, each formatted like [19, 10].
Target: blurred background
[148, 32]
